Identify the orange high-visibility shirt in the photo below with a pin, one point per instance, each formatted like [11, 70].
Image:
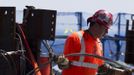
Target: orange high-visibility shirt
[92, 46]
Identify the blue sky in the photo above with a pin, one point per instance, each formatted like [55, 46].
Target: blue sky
[91, 6]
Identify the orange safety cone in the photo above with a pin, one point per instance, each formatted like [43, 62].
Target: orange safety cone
[44, 59]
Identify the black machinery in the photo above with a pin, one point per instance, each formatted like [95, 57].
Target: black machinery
[8, 41]
[129, 54]
[7, 28]
[38, 24]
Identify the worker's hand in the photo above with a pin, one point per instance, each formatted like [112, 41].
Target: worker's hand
[63, 63]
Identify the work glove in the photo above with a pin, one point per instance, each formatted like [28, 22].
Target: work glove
[63, 62]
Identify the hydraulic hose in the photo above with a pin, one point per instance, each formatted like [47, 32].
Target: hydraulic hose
[99, 57]
[79, 54]
[34, 63]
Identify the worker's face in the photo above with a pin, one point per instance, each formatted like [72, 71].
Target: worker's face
[101, 30]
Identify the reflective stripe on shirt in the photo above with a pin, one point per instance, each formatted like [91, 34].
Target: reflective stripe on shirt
[81, 62]
[82, 51]
[84, 64]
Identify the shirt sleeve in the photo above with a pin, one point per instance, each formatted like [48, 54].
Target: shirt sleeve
[68, 45]
[72, 46]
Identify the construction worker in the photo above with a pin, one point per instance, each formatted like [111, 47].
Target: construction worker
[86, 41]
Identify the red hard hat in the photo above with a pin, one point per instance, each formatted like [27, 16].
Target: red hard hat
[102, 17]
